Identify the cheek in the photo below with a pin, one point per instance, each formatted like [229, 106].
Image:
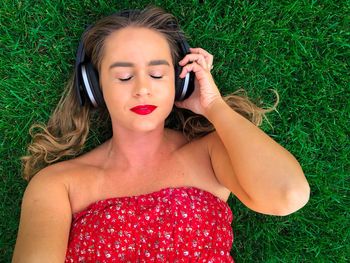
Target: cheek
[109, 90]
[172, 86]
[112, 103]
[169, 95]
[113, 100]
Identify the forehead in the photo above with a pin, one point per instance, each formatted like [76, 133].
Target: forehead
[136, 43]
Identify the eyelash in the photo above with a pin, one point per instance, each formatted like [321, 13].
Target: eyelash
[155, 77]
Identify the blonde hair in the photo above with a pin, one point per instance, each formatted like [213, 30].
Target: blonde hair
[66, 132]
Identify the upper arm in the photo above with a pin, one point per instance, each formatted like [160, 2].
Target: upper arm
[45, 220]
[223, 169]
[287, 200]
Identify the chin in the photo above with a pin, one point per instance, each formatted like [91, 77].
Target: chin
[147, 125]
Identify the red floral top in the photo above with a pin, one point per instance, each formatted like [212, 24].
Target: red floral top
[183, 224]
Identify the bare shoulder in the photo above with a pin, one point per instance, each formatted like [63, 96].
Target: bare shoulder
[64, 171]
[63, 175]
[204, 143]
[50, 182]
[45, 218]
[203, 161]
[58, 173]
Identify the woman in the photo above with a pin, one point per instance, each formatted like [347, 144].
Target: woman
[149, 193]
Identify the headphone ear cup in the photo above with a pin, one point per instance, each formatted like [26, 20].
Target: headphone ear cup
[79, 90]
[91, 84]
[184, 87]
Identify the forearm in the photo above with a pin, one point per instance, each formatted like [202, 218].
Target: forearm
[265, 170]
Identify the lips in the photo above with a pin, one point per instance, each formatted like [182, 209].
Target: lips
[143, 109]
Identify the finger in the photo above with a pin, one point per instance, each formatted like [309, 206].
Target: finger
[208, 57]
[199, 51]
[195, 67]
[194, 58]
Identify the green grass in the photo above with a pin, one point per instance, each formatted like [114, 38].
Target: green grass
[299, 48]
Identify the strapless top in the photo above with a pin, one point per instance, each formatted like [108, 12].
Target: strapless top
[182, 224]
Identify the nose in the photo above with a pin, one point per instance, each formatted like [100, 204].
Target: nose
[142, 87]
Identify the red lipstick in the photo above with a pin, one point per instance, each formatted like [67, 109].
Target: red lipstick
[143, 109]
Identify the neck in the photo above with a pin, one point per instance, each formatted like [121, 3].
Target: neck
[135, 151]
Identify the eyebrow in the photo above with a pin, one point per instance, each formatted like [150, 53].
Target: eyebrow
[129, 64]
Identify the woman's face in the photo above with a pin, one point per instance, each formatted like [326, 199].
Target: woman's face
[137, 69]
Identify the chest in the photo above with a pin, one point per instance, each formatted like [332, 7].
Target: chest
[190, 166]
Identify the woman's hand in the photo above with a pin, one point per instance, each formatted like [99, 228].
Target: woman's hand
[205, 90]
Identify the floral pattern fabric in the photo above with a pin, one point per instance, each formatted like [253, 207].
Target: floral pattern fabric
[183, 224]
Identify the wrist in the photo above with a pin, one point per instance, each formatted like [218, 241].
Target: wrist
[214, 108]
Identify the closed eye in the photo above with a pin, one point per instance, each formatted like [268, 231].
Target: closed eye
[125, 79]
[155, 77]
